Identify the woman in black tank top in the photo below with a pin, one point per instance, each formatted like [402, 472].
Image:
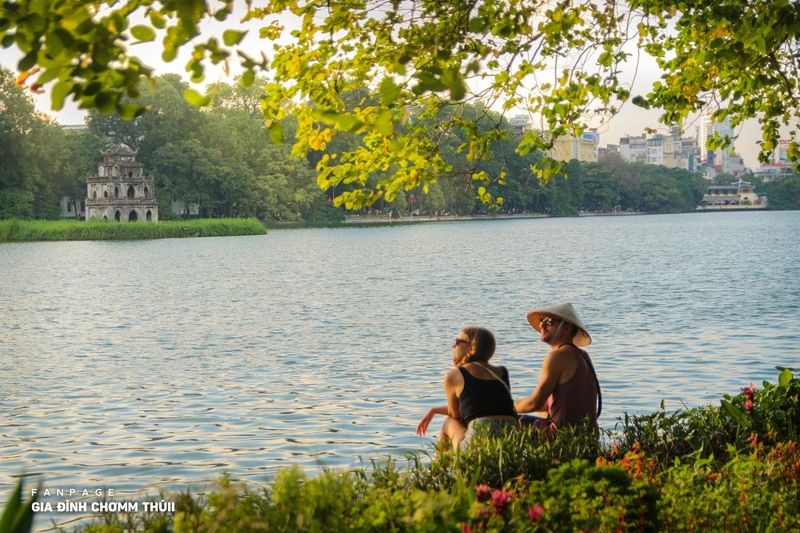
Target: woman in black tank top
[475, 390]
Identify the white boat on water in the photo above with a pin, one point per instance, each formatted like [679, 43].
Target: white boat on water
[733, 197]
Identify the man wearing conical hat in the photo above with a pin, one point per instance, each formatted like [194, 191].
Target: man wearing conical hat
[568, 392]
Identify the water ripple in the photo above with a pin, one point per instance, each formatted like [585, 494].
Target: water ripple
[165, 363]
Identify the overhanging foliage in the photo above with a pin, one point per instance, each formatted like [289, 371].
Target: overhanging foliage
[558, 61]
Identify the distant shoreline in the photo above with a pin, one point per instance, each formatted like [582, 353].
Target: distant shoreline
[367, 221]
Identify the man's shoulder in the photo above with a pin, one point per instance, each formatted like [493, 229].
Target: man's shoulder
[564, 355]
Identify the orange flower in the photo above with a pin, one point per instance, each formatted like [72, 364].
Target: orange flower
[23, 76]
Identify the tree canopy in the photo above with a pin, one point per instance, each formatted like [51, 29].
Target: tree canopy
[397, 77]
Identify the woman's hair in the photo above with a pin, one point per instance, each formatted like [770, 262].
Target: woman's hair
[481, 344]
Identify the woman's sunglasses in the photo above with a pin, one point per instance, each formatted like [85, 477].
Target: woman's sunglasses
[460, 341]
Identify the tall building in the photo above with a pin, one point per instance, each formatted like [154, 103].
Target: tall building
[120, 191]
[722, 159]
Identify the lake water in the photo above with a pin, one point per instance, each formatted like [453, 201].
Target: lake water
[138, 365]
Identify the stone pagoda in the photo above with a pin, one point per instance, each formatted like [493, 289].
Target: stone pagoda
[121, 191]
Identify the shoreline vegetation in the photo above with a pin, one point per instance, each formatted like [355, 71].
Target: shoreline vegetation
[731, 466]
[16, 230]
[75, 230]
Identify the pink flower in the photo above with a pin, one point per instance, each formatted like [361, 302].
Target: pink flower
[465, 528]
[535, 513]
[500, 499]
[483, 493]
[749, 391]
[748, 404]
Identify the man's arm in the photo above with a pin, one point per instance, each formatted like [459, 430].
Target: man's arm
[552, 368]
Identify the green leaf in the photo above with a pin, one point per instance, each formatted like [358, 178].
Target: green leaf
[158, 20]
[195, 98]
[27, 62]
[12, 508]
[232, 37]
[384, 123]
[105, 102]
[348, 122]
[275, 132]
[455, 84]
[248, 77]
[48, 75]
[785, 377]
[390, 92]
[428, 82]
[143, 33]
[54, 43]
[128, 111]
[60, 92]
[735, 413]
[477, 24]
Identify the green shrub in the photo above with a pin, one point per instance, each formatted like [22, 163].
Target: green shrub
[754, 491]
[72, 230]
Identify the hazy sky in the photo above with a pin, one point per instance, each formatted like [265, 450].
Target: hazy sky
[631, 120]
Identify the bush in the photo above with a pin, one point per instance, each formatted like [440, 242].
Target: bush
[756, 491]
[72, 230]
[735, 466]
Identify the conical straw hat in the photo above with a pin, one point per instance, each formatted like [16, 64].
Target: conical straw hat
[563, 311]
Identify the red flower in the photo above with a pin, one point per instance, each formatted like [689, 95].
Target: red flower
[465, 528]
[748, 404]
[483, 493]
[535, 513]
[500, 499]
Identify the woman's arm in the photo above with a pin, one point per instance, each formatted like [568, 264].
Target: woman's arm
[426, 420]
[453, 385]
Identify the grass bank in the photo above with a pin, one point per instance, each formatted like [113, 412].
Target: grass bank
[73, 230]
[731, 466]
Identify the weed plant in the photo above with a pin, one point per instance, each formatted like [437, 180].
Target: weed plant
[731, 467]
[72, 230]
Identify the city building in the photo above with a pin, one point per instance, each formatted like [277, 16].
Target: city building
[583, 148]
[120, 191]
[779, 166]
[670, 150]
[633, 148]
[769, 173]
[611, 150]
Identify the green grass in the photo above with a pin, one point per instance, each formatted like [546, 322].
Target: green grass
[73, 230]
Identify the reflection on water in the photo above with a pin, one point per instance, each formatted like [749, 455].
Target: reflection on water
[136, 365]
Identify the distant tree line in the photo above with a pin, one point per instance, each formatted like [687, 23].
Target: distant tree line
[222, 160]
